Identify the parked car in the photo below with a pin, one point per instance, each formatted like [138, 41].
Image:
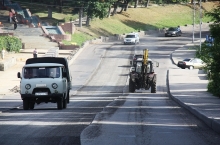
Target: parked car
[191, 63]
[173, 31]
[132, 38]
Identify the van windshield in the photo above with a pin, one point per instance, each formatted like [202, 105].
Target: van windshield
[41, 72]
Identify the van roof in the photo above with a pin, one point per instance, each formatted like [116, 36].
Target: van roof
[59, 60]
[44, 65]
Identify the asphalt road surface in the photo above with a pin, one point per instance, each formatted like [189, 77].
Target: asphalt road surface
[102, 112]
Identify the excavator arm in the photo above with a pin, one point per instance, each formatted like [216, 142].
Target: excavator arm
[145, 52]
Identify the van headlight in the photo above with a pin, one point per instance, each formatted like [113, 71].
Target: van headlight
[28, 86]
[54, 85]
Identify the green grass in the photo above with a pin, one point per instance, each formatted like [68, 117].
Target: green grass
[154, 17]
[78, 38]
[134, 19]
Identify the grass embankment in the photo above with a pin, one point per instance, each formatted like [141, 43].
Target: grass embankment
[134, 19]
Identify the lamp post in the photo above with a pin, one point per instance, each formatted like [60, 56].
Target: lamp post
[193, 20]
[200, 23]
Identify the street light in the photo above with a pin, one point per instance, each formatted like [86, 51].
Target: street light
[193, 20]
[200, 23]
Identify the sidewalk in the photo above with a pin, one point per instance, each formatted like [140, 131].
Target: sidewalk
[189, 89]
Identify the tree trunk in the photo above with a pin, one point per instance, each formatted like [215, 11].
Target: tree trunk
[126, 6]
[115, 9]
[88, 21]
[49, 12]
[136, 4]
[122, 8]
[60, 9]
[147, 2]
[109, 12]
[80, 17]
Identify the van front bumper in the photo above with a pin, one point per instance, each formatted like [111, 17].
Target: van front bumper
[53, 95]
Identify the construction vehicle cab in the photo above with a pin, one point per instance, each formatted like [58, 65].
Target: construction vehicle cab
[142, 74]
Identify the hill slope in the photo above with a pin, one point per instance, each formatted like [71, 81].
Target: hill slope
[153, 17]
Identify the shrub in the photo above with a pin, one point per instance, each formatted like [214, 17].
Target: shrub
[66, 19]
[11, 44]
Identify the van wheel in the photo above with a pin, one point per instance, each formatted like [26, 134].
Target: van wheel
[64, 102]
[25, 104]
[60, 103]
[131, 86]
[31, 105]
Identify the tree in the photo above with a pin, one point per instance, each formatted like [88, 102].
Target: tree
[49, 12]
[97, 10]
[60, 6]
[211, 54]
[111, 3]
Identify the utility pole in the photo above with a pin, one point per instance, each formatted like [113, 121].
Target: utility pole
[193, 21]
[200, 23]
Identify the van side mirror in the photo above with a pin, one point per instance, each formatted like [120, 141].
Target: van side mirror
[19, 75]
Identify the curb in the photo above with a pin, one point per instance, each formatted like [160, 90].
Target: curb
[78, 52]
[213, 124]
[171, 57]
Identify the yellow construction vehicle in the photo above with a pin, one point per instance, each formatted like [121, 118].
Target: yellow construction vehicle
[142, 74]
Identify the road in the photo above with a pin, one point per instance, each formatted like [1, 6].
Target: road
[102, 112]
[145, 118]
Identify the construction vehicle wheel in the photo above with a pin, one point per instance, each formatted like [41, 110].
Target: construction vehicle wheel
[153, 87]
[131, 86]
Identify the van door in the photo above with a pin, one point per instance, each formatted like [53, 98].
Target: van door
[64, 80]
